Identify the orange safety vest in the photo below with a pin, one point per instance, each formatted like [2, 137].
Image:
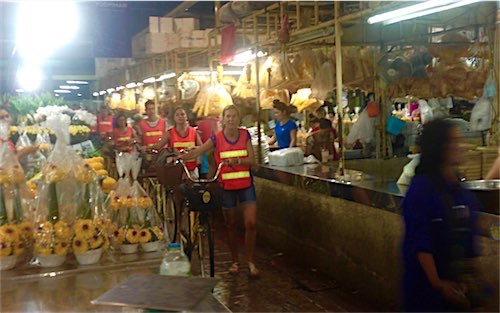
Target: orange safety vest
[178, 142]
[121, 139]
[236, 176]
[152, 135]
[105, 126]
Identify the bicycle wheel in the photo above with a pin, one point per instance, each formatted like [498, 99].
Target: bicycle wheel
[206, 244]
[170, 217]
[185, 230]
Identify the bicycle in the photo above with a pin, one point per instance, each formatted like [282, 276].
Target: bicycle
[195, 232]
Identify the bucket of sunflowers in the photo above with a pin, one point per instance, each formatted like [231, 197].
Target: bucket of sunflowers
[151, 233]
[125, 213]
[58, 197]
[15, 224]
[91, 226]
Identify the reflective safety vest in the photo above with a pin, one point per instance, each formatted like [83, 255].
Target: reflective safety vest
[105, 126]
[236, 176]
[152, 135]
[122, 139]
[179, 143]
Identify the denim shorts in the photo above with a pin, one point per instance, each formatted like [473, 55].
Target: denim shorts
[230, 198]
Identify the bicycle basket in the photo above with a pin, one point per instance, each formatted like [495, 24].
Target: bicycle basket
[203, 197]
[169, 175]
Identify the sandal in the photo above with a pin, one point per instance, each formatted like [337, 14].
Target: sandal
[252, 270]
[234, 268]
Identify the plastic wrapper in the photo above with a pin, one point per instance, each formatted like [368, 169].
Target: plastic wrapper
[16, 229]
[363, 130]
[212, 100]
[286, 157]
[324, 81]
[307, 63]
[267, 96]
[303, 101]
[246, 85]
[481, 116]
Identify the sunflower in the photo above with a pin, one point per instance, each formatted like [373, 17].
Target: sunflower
[144, 235]
[18, 247]
[5, 249]
[118, 235]
[9, 232]
[80, 245]
[43, 248]
[26, 229]
[132, 235]
[105, 246]
[62, 230]
[96, 242]
[45, 227]
[84, 228]
[61, 248]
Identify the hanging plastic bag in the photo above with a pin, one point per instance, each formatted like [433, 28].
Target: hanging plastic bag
[481, 115]
[363, 130]
[324, 81]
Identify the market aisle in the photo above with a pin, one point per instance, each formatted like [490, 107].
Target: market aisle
[281, 286]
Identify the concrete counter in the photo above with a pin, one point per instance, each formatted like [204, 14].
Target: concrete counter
[349, 229]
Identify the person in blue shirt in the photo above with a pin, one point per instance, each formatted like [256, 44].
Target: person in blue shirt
[285, 132]
[439, 220]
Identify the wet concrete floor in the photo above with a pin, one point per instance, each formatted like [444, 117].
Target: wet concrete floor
[281, 286]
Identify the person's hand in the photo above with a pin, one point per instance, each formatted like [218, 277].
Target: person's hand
[145, 149]
[454, 293]
[31, 149]
[232, 161]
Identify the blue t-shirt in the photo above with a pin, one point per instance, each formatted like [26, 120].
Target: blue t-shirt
[429, 221]
[282, 133]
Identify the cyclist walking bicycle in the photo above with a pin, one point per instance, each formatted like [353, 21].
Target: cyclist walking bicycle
[233, 147]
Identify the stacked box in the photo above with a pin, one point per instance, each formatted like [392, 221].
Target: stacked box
[186, 25]
[145, 44]
[159, 24]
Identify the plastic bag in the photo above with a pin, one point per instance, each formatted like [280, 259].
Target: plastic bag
[286, 157]
[481, 115]
[363, 129]
[324, 81]
[409, 170]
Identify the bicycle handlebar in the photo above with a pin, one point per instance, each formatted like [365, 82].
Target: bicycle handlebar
[211, 180]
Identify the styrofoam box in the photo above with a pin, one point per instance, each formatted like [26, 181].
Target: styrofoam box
[286, 157]
[186, 24]
[187, 42]
[149, 43]
[159, 24]
[199, 34]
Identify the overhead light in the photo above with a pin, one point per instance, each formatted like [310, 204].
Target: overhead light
[29, 77]
[95, 94]
[130, 85]
[102, 92]
[110, 90]
[140, 84]
[242, 58]
[57, 95]
[149, 80]
[79, 94]
[120, 88]
[69, 87]
[77, 82]
[62, 91]
[166, 76]
[417, 10]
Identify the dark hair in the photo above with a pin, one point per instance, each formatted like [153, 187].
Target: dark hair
[325, 123]
[149, 102]
[283, 107]
[314, 120]
[117, 117]
[433, 141]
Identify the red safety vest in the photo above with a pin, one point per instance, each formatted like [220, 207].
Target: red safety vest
[236, 176]
[105, 126]
[178, 142]
[152, 135]
[122, 139]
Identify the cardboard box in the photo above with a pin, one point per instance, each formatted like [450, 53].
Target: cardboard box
[145, 44]
[158, 24]
[186, 24]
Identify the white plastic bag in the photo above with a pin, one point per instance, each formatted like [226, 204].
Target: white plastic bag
[363, 129]
[286, 157]
[481, 115]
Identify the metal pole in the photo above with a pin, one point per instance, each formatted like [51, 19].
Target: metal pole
[257, 94]
[338, 67]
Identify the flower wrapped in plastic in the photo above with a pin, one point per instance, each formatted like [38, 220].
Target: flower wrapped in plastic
[15, 224]
[120, 195]
[140, 199]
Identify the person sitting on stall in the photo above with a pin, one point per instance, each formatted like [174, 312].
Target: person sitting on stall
[151, 129]
[233, 147]
[124, 136]
[181, 137]
[323, 138]
[104, 126]
[285, 132]
[314, 124]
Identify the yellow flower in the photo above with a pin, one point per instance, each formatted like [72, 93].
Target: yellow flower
[26, 229]
[43, 248]
[84, 228]
[158, 232]
[96, 242]
[18, 247]
[144, 235]
[61, 248]
[132, 235]
[62, 230]
[45, 227]
[106, 243]
[80, 245]
[118, 235]
[9, 232]
[5, 249]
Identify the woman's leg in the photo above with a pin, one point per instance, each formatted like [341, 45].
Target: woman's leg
[250, 217]
[230, 219]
